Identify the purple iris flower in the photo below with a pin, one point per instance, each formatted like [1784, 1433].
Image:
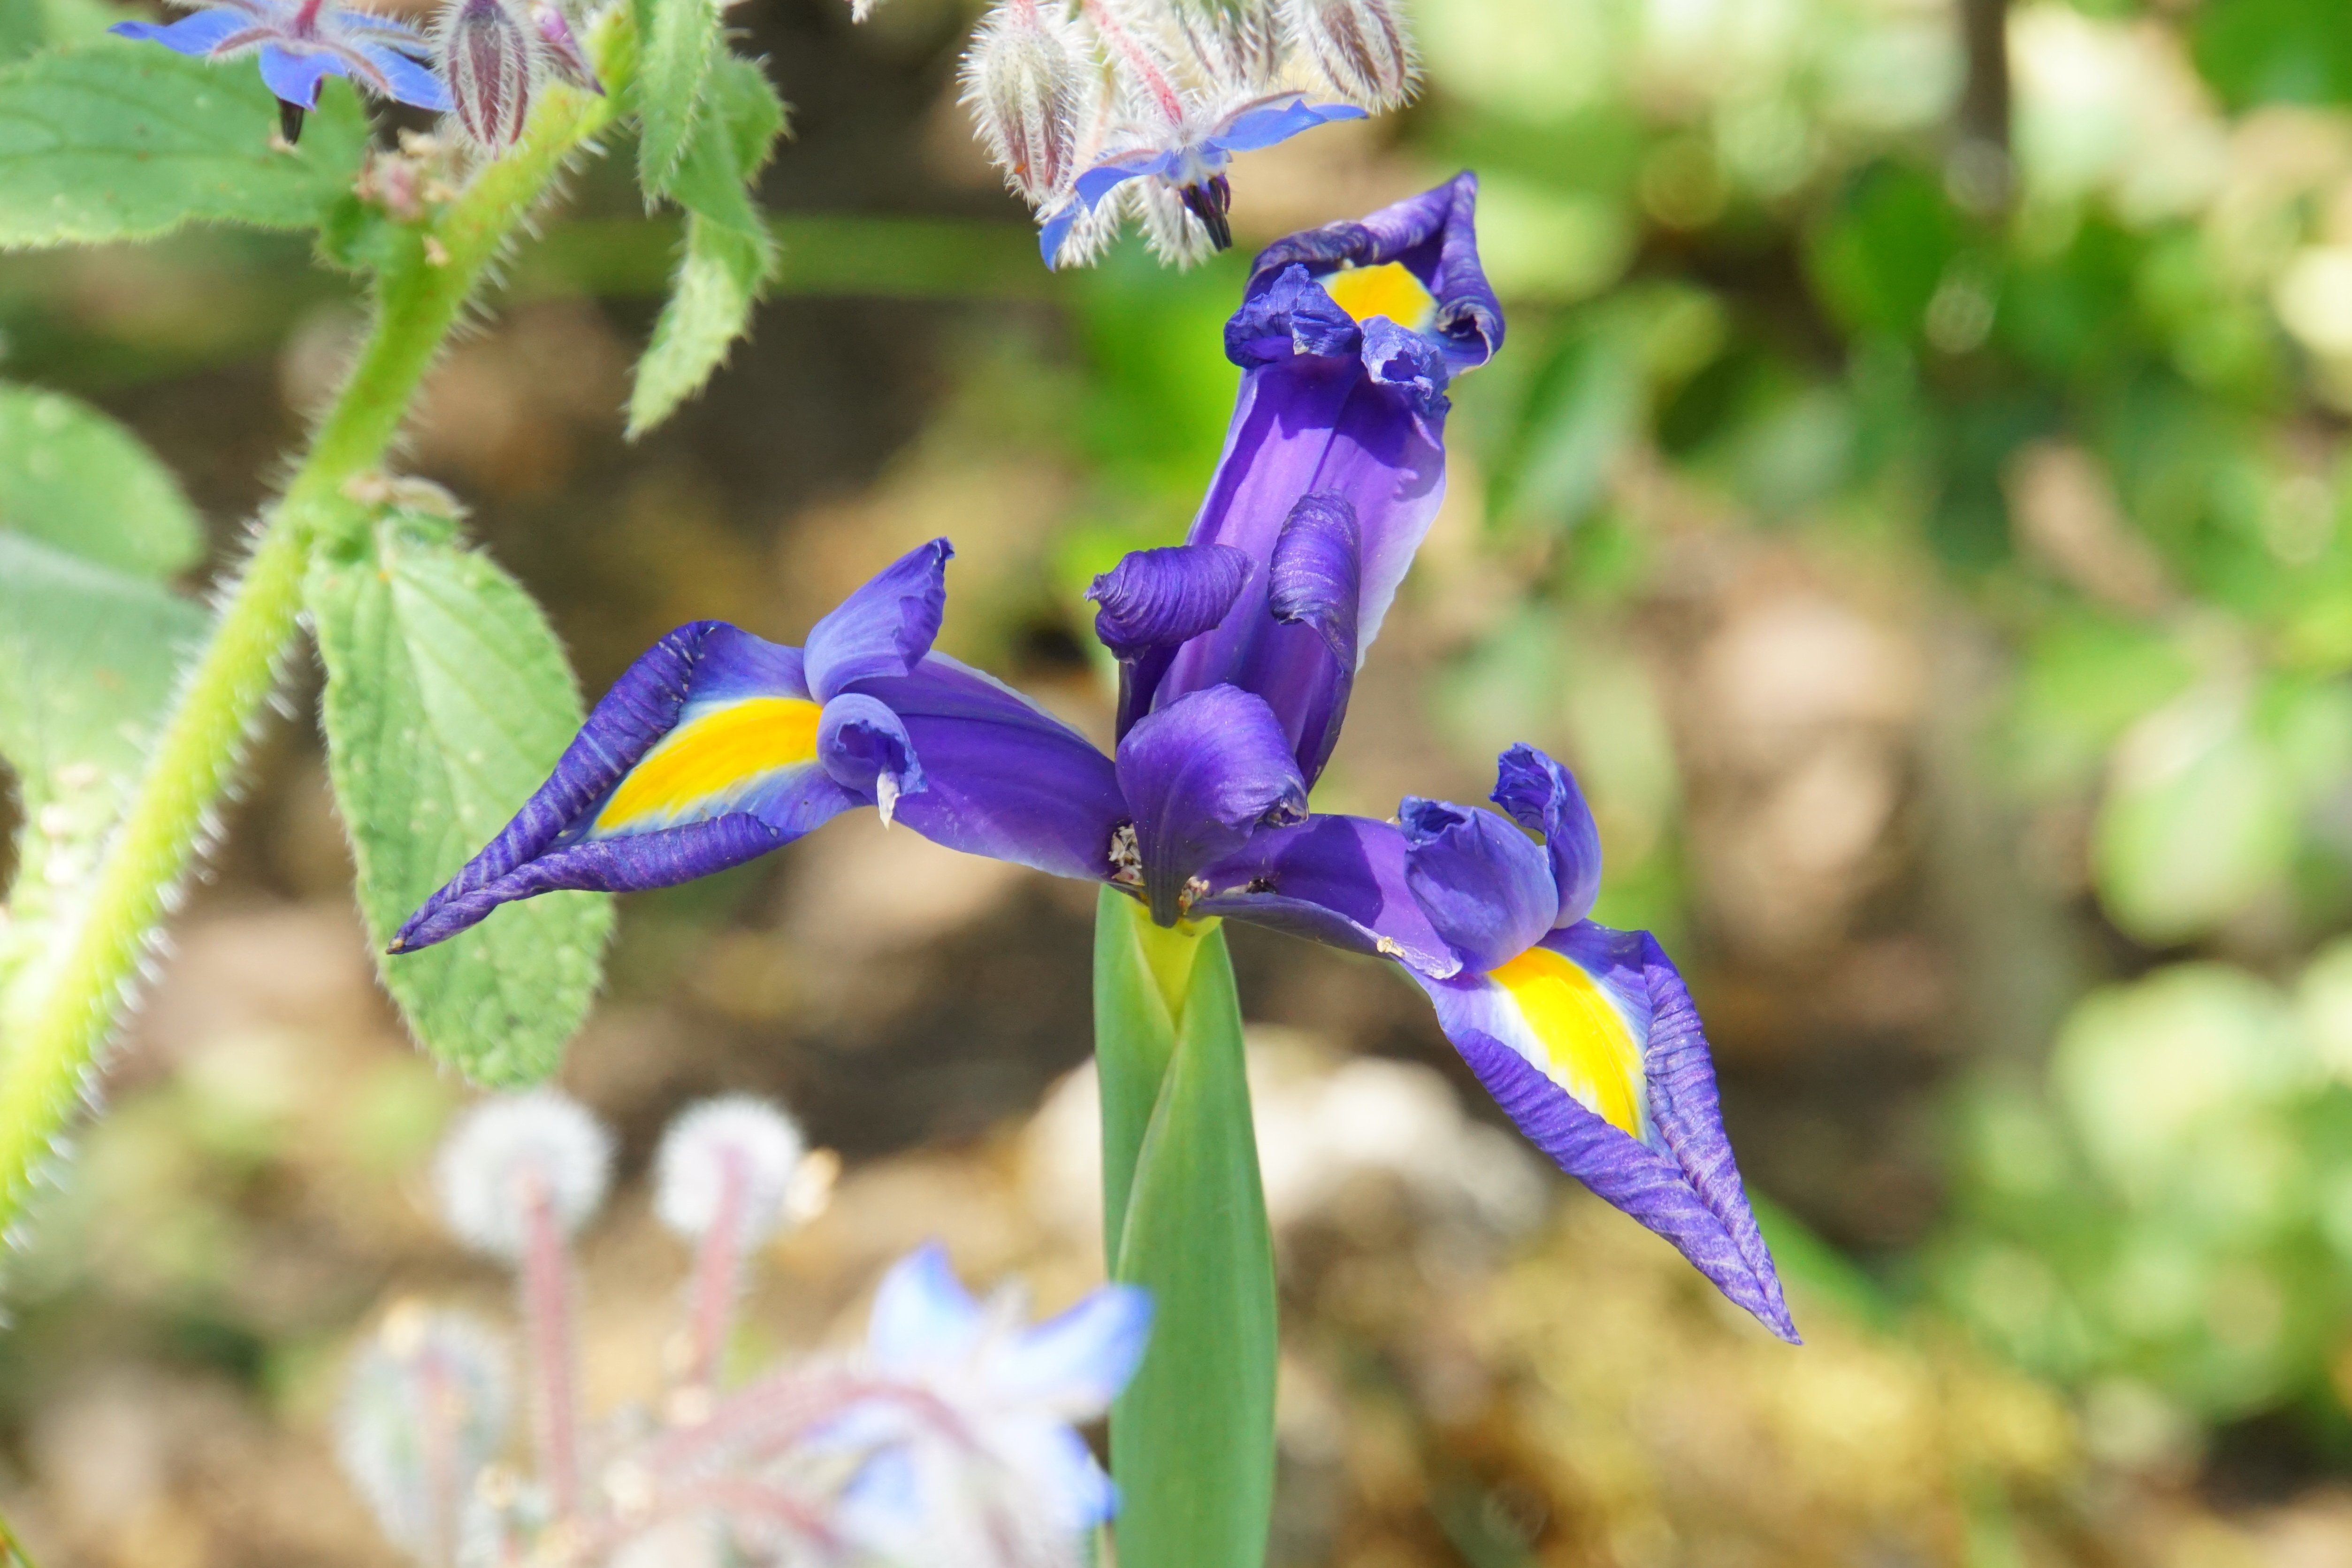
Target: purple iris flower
[301, 43]
[717, 746]
[1190, 158]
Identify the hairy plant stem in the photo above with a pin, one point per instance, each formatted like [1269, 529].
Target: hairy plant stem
[68, 1004]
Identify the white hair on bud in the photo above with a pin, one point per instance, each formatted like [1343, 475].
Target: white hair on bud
[1026, 81]
[502, 1150]
[690, 1173]
[424, 1411]
[1362, 47]
[490, 58]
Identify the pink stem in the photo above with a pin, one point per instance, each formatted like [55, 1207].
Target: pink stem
[437, 1400]
[547, 1318]
[718, 1275]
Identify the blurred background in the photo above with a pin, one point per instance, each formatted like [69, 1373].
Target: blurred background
[1913, 497]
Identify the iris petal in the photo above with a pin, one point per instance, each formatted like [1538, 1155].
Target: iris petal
[1200, 775]
[1542, 797]
[1619, 990]
[886, 627]
[1485, 885]
[865, 747]
[1339, 881]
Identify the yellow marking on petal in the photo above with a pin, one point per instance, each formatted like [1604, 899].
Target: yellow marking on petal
[710, 756]
[1388, 289]
[1587, 1048]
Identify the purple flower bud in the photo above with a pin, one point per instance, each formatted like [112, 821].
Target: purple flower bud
[1361, 47]
[487, 58]
[561, 50]
[1025, 82]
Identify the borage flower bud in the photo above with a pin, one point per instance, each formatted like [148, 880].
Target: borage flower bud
[488, 58]
[1361, 47]
[515, 1152]
[736, 1154]
[561, 50]
[1024, 80]
[424, 1411]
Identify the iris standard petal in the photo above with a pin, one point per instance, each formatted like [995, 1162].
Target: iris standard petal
[1304, 664]
[1004, 778]
[198, 33]
[923, 1316]
[1152, 603]
[1202, 774]
[1542, 797]
[886, 627]
[1485, 885]
[865, 748]
[1339, 881]
[1590, 1043]
[702, 755]
[1072, 1366]
[1252, 129]
[294, 75]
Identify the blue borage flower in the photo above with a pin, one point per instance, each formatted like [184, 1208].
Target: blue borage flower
[1237, 652]
[299, 44]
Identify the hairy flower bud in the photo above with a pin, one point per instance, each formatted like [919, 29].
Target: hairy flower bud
[736, 1154]
[1024, 79]
[423, 1411]
[1362, 48]
[487, 57]
[561, 50]
[516, 1150]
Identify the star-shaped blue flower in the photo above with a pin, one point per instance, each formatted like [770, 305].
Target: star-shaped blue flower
[299, 45]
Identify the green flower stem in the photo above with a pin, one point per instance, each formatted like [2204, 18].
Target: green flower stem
[68, 1009]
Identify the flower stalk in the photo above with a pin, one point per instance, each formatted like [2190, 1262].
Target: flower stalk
[58, 1029]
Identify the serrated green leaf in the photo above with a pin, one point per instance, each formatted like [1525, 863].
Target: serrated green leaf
[88, 657]
[1191, 1438]
[72, 477]
[682, 41]
[447, 702]
[730, 254]
[718, 283]
[116, 140]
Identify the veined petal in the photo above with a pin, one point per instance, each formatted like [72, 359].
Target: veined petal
[1073, 1365]
[1485, 885]
[1152, 603]
[295, 75]
[1588, 1042]
[885, 627]
[1304, 662]
[1266, 124]
[702, 756]
[1542, 797]
[1004, 778]
[923, 1316]
[198, 33]
[1202, 774]
[866, 749]
[1339, 881]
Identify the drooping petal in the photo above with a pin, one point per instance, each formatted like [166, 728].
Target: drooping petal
[1485, 885]
[703, 755]
[295, 75]
[923, 1316]
[1304, 664]
[198, 33]
[1004, 778]
[1590, 1043]
[1072, 1366]
[405, 81]
[1200, 775]
[866, 749]
[1542, 797]
[1153, 601]
[886, 627]
[1339, 881]
[1087, 191]
[1266, 124]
